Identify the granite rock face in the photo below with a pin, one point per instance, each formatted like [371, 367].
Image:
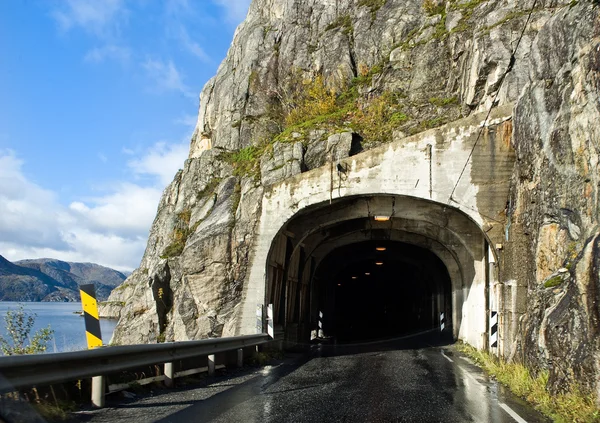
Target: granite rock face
[554, 206]
[363, 72]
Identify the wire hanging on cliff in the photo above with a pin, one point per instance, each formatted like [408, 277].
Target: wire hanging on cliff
[511, 63]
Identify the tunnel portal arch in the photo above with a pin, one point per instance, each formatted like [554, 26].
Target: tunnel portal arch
[306, 241]
[444, 190]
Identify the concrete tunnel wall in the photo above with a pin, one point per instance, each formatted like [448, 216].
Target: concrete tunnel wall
[454, 238]
[420, 172]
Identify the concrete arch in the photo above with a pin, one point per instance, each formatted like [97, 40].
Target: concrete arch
[436, 227]
[419, 182]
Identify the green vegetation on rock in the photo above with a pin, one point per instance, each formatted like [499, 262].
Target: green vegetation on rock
[573, 405]
[443, 102]
[373, 5]
[19, 324]
[180, 234]
[554, 281]
[244, 161]
[432, 7]
[344, 22]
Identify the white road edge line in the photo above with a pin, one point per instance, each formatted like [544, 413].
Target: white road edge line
[447, 358]
[512, 413]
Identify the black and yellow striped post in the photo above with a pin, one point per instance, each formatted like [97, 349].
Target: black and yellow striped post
[90, 313]
[94, 337]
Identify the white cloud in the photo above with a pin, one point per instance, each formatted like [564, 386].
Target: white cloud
[114, 52]
[166, 77]
[162, 161]
[191, 46]
[24, 212]
[128, 211]
[109, 229]
[99, 17]
[186, 120]
[236, 10]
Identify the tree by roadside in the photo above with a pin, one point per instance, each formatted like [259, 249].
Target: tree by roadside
[19, 324]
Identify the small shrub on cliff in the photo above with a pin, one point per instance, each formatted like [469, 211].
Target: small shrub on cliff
[315, 99]
[307, 105]
[433, 7]
[244, 161]
[19, 324]
[377, 120]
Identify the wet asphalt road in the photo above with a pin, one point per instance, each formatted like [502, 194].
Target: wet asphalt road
[370, 383]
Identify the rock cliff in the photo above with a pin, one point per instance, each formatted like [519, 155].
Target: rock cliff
[306, 81]
[554, 231]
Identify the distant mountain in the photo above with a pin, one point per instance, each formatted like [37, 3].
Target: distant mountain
[53, 280]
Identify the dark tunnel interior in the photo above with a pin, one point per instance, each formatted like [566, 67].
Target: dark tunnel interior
[381, 289]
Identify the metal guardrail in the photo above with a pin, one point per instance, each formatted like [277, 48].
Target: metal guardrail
[44, 369]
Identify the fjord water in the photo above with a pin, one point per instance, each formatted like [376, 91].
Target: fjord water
[69, 328]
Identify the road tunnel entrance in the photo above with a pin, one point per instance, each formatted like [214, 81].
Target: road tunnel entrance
[381, 289]
[378, 266]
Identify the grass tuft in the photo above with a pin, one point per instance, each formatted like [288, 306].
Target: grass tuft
[180, 234]
[443, 102]
[373, 5]
[245, 161]
[432, 8]
[57, 412]
[572, 406]
[554, 281]
[344, 22]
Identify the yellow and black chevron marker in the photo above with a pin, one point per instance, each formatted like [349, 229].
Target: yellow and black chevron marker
[90, 313]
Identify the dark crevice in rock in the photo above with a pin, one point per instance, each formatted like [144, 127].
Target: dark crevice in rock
[163, 296]
[356, 146]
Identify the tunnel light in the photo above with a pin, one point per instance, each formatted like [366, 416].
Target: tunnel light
[379, 263]
[354, 277]
[382, 218]
[339, 284]
[381, 248]
[367, 274]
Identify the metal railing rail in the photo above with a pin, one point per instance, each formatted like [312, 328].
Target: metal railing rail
[44, 369]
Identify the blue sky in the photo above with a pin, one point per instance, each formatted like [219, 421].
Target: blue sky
[99, 100]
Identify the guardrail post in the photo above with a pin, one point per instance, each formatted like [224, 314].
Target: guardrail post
[240, 357]
[98, 391]
[169, 375]
[211, 365]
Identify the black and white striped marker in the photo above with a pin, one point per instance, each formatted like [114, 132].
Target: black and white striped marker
[494, 329]
[270, 329]
[259, 319]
